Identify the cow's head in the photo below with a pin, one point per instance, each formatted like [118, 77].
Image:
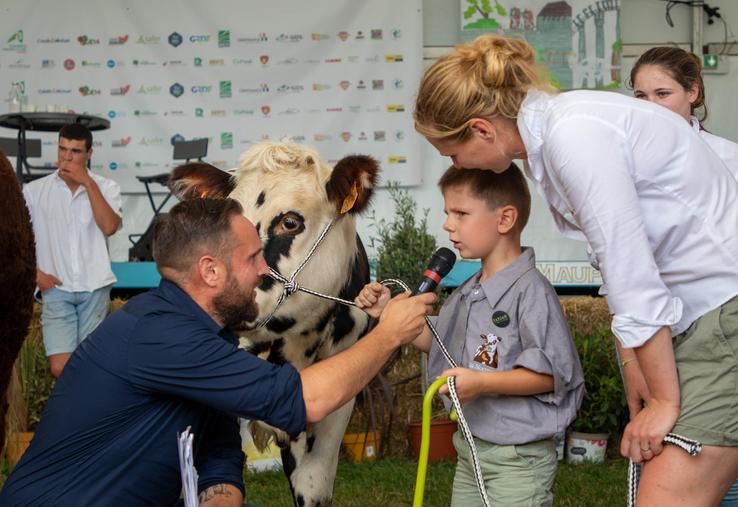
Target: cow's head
[289, 193]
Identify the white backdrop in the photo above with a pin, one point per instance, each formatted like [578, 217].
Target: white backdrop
[335, 74]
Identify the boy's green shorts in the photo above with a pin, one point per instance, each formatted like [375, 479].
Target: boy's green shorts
[707, 362]
[515, 475]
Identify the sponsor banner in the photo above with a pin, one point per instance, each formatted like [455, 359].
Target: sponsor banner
[344, 84]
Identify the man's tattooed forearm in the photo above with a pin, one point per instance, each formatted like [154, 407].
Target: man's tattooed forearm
[213, 491]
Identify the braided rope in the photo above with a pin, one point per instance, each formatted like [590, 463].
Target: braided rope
[691, 447]
[291, 286]
[461, 420]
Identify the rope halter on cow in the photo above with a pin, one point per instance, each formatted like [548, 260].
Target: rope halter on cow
[290, 285]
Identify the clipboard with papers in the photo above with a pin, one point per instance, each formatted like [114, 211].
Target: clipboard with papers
[187, 468]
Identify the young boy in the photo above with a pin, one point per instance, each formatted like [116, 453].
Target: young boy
[519, 378]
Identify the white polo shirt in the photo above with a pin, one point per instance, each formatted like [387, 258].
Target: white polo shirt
[723, 148]
[652, 199]
[69, 244]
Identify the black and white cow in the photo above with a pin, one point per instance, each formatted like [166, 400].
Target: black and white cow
[290, 194]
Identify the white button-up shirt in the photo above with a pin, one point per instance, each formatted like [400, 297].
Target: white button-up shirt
[723, 148]
[656, 204]
[69, 244]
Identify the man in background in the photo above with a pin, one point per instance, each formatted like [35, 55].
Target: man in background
[73, 211]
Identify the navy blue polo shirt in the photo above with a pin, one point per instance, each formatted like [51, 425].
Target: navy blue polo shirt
[108, 435]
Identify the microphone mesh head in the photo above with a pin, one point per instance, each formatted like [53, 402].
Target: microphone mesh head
[442, 261]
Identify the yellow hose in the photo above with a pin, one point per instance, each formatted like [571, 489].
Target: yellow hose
[425, 440]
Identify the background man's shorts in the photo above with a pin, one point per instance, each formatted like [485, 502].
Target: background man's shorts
[707, 362]
[68, 317]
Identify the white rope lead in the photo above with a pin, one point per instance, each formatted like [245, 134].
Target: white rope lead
[691, 447]
[291, 286]
[461, 420]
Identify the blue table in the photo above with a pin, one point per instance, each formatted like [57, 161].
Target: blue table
[143, 275]
[135, 275]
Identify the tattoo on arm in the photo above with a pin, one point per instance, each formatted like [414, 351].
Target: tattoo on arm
[213, 491]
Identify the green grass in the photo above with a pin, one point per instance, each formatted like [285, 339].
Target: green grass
[391, 481]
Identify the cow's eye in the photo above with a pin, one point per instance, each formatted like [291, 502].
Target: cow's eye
[289, 224]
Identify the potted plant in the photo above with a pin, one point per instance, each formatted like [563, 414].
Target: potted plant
[604, 404]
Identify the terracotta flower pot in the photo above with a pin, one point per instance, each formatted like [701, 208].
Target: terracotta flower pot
[441, 444]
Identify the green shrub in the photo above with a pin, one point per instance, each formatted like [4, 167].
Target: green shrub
[604, 405]
[403, 246]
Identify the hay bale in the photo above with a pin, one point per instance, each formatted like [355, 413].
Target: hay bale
[586, 314]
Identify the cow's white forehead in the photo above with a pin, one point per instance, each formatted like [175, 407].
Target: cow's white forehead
[289, 175]
[283, 158]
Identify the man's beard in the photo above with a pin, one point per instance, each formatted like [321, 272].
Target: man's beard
[235, 306]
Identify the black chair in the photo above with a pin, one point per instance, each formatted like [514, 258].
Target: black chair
[183, 150]
[9, 145]
[187, 150]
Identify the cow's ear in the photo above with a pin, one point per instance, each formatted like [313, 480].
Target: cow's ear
[198, 180]
[352, 183]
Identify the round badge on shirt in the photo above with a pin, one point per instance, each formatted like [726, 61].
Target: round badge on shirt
[500, 319]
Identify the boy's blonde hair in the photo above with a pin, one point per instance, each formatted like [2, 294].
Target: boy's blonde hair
[507, 188]
[481, 79]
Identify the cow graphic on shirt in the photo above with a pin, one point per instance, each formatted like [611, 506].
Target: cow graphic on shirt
[486, 352]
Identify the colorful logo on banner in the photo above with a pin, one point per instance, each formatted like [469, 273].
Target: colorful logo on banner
[225, 89]
[120, 91]
[148, 39]
[292, 37]
[15, 42]
[87, 91]
[224, 38]
[226, 140]
[84, 40]
[118, 41]
[176, 90]
[174, 39]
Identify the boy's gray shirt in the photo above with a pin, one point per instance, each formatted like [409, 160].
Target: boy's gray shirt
[519, 309]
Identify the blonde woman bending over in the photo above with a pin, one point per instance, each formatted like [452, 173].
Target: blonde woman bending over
[660, 212]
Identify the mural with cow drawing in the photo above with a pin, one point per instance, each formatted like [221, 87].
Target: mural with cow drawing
[291, 195]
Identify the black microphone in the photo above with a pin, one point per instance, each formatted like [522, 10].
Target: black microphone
[439, 265]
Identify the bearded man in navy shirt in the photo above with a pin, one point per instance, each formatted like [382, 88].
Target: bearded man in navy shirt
[167, 360]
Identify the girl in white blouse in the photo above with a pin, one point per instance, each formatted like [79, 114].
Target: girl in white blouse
[672, 77]
[660, 211]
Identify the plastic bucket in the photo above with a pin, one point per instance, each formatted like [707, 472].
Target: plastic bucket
[586, 447]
